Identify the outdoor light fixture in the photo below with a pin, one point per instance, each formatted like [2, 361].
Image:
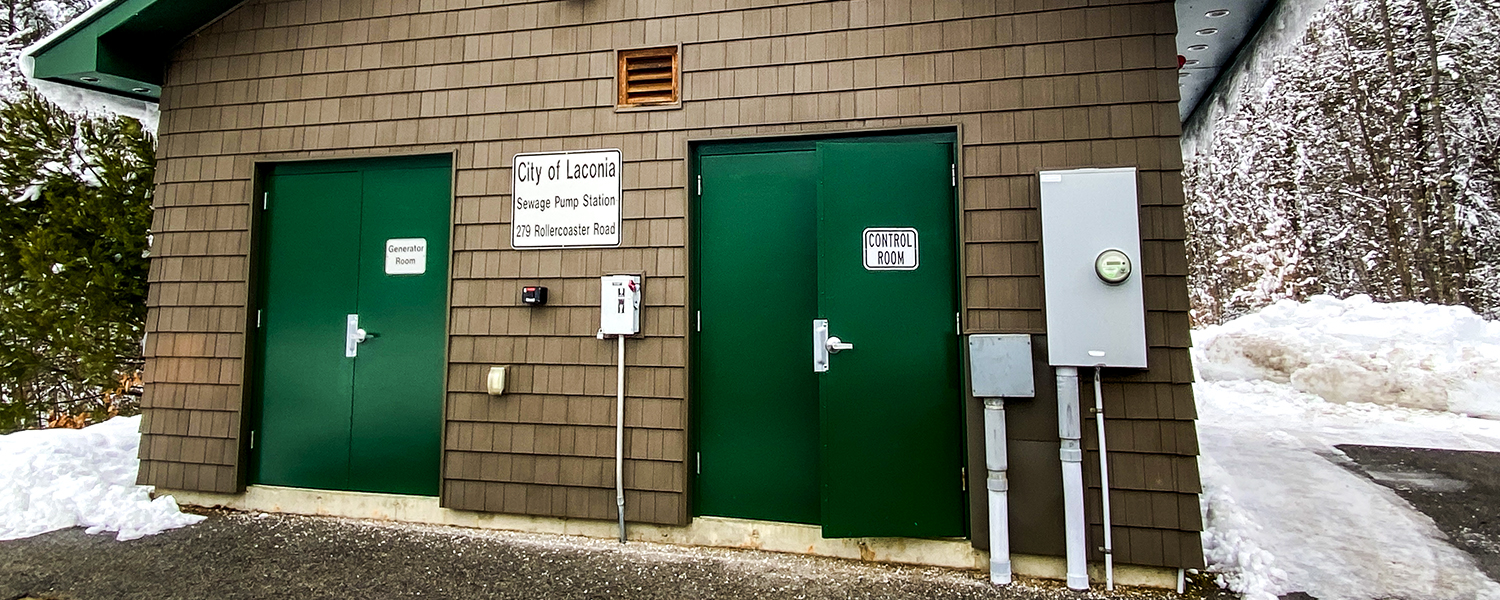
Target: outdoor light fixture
[1216, 14]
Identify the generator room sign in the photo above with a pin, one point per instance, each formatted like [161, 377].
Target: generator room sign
[566, 200]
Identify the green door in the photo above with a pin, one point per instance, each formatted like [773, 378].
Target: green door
[758, 423]
[353, 245]
[891, 437]
[872, 446]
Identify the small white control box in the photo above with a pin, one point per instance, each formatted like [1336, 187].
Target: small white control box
[620, 305]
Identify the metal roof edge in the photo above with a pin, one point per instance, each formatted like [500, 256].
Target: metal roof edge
[1238, 63]
[84, 20]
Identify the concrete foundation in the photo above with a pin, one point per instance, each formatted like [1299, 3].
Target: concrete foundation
[716, 532]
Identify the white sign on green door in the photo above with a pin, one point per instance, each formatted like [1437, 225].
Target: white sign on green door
[890, 249]
[566, 200]
[406, 256]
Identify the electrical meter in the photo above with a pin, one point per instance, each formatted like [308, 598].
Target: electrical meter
[1113, 267]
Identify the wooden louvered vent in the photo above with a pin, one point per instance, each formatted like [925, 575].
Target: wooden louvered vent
[649, 77]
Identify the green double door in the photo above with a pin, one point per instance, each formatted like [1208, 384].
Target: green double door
[353, 279]
[799, 243]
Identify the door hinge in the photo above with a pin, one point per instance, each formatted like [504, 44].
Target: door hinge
[259, 318]
[963, 474]
[699, 468]
[953, 173]
[700, 185]
[252, 439]
[265, 200]
[700, 321]
[958, 323]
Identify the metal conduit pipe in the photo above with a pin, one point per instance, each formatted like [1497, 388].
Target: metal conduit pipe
[1070, 430]
[620, 436]
[997, 462]
[1109, 550]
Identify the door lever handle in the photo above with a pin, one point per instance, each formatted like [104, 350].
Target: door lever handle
[835, 345]
[363, 336]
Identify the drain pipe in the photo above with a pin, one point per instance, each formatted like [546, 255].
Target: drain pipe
[620, 436]
[1109, 550]
[996, 462]
[1070, 430]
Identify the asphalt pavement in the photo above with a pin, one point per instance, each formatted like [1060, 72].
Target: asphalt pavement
[1458, 490]
[239, 555]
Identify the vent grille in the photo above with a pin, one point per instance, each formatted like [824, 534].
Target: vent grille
[648, 77]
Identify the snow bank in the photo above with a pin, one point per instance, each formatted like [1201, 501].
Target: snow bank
[59, 478]
[1407, 354]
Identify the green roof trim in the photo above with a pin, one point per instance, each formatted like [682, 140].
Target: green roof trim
[123, 48]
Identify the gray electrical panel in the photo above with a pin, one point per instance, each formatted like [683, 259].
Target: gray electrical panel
[1091, 256]
[1000, 366]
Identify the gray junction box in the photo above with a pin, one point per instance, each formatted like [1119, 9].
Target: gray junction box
[1000, 366]
[1091, 256]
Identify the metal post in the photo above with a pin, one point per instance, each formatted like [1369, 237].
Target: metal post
[620, 436]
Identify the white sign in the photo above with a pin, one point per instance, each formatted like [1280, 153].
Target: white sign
[566, 199]
[406, 256]
[891, 249]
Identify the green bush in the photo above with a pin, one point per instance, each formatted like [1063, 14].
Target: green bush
[74, 224]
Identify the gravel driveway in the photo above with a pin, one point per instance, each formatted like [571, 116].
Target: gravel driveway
[238, 555]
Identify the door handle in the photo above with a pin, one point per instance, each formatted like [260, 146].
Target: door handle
[820, 345]
[353, 336]
[823, 345]
[835, 345]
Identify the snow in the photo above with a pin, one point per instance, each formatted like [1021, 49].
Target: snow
[1280, 389]
[1408, 354]
[58, 478]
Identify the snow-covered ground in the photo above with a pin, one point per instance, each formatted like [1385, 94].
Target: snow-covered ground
[58, 478]
[1279, 389]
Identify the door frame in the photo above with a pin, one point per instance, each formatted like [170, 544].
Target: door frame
[696, 148]
[261, 168]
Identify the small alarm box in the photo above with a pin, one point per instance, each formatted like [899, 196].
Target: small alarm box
[533, 295]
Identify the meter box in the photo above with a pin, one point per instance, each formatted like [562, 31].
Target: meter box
[1091, 256]
[620, 305]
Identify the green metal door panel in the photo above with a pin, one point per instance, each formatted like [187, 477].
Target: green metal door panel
[891, 406]
[308, 285]
[758, 408]
[398, 376]
[372, 422]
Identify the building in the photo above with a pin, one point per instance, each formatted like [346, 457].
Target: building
[331, 167]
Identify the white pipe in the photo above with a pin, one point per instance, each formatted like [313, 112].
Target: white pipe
[1181, 581]
[1109, 550]
[620, 436]
[1070, 430]
[996, 462]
